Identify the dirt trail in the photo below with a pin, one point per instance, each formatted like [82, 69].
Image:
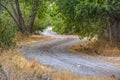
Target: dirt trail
[55, 53]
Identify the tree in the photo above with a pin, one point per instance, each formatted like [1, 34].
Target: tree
[88, 17]
[17, 15]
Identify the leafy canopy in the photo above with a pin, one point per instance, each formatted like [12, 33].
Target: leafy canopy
[88, 17]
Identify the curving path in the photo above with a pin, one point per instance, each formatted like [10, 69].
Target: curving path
[54, 53]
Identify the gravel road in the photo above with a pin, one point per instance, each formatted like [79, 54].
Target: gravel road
[55, 53]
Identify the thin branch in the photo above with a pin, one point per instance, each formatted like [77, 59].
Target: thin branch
[19, 13]
[31, 21]
[13, 8]
[9, 13]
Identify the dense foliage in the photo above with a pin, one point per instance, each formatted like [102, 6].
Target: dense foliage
[89, 17]
[86, 18]
[24, 13]
[20, 15]
[7, 33]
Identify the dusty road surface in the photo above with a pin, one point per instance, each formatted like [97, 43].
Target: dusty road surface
[55, 53]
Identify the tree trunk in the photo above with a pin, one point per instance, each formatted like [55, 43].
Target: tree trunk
[14, 10]
[31, 21]
[118, 26]
[20, 17]
[114, 30]
[10, 14]
[17, 17]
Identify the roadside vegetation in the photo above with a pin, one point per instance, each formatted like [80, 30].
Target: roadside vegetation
[97, 47]
[14, 66]
[21, 19]
[88, 18]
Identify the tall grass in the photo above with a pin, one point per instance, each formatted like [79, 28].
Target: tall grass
[15, 66]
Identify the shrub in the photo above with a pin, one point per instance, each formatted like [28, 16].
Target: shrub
[7, 34]
[41, 24]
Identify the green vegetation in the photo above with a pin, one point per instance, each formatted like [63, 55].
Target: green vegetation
[20, 16]
[91, 17]
[86, 18]
[24, 12]
[7, 33]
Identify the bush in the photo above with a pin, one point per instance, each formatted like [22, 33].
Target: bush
[41, 24]
[7, 35]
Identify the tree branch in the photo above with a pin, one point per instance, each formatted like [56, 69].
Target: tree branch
[21, 20]
[31, 21]
[13, 8]
[9, 13]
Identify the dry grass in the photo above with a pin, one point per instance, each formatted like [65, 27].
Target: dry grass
[98, 50]
[17, 67]
[100, 47]
[14, 66]
[105, 48]
[66, 75]
[28, 39]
